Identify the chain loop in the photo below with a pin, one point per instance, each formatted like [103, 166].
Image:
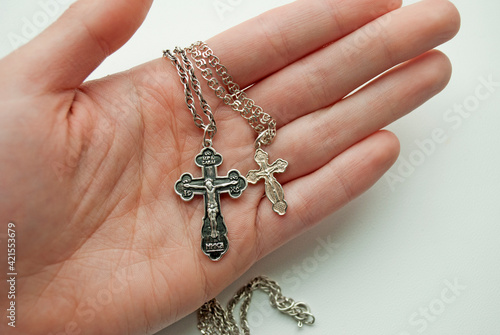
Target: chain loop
[214, 320]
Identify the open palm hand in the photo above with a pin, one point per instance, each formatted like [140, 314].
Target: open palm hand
[88, 170]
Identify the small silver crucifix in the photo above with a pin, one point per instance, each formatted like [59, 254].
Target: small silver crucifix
[274, 191]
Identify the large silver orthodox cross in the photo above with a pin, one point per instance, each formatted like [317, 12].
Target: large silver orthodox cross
[274, 191]
[214, 241]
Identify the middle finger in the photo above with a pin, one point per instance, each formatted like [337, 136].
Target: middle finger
[328, 75]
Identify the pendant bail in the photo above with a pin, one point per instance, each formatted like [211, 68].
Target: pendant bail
[261, 139]
[208, 135]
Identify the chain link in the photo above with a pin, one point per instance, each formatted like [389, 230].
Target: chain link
[237, 99]
[214, 320]
[189, 80]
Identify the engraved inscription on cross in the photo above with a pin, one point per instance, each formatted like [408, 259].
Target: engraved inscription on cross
[274, 191]
[214, 241]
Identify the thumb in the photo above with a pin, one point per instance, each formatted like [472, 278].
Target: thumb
[64, 54]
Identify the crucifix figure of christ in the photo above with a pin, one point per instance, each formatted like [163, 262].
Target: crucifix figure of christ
[214, 241]
[274, 191]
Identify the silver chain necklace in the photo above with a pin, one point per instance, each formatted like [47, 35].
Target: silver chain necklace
[214, 320]
[214, 242]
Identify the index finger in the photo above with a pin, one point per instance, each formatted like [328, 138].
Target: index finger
[269, 42]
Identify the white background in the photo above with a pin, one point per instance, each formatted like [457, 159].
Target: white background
[395, 249]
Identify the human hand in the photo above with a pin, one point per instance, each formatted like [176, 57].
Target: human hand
[105, 245]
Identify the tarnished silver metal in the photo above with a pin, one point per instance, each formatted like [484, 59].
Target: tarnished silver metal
[204, 60]
[214, 241]
[274, 191]
[208, 135]
[214, 320]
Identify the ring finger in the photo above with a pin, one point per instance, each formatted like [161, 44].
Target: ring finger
[323, 135]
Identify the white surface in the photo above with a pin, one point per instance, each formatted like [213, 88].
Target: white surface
[395, 250]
